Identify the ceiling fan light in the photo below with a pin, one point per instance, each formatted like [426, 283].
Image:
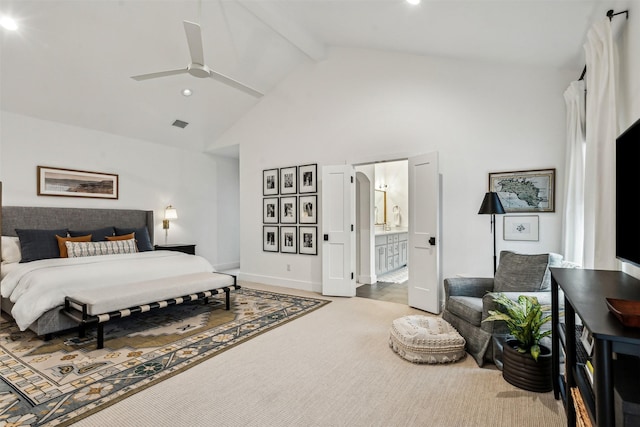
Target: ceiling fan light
[413, 2]
[187, 92]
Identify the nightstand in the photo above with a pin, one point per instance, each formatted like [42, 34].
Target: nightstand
[178, 247]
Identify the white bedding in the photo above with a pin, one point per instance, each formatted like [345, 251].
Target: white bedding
[39, 286]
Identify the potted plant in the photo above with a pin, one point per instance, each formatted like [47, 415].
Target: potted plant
[527, 363]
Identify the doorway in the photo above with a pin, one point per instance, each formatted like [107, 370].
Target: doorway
[382, 202]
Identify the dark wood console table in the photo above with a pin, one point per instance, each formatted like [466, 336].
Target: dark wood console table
[584, 294]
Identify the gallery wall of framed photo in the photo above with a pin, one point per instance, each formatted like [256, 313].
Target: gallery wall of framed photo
[290, 210]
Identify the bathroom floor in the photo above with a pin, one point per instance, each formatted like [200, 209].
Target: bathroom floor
[383, 291]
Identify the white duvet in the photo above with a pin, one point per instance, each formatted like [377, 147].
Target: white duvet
[38, 286]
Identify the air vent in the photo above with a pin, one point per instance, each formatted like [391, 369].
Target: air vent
[180, 124]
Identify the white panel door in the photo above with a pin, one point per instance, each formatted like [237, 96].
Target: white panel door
[338, 235]
[425, 289]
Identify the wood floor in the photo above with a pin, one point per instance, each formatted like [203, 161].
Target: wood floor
[392, 292]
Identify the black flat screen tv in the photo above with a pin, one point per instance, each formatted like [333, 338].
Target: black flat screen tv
[627, 191]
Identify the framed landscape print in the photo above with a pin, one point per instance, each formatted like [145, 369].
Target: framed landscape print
[308, 178]
[270, 238]
[308, 240]
[525, 191]
[521, 227]
[289, 180]
[270, 207]
[76, 183]
[288, 210]
[289, 240]
[308, 209]
[270, 182]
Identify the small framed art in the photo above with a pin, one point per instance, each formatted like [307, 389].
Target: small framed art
[289, 180]
[270, 182]
[270, 238]
[521, 227]
[289, 240]
[288, 210]
[307, 177]
[308, 240]
[308, 209]
[270, 207]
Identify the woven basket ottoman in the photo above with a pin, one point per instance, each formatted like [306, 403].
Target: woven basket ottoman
[426, 339]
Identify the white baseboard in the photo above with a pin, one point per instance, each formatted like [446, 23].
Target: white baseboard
[367, 280]
[227, 266]
[280, 281]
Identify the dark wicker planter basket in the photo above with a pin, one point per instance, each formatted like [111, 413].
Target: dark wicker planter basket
[522, 371]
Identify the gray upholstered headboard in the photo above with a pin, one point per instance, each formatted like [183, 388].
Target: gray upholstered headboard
[45, 218]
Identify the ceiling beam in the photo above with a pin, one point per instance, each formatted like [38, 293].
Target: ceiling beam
[298, 37]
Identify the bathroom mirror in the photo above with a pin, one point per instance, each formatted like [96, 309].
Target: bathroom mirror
[380, 207]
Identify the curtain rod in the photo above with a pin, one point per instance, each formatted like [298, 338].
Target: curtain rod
[610, 15]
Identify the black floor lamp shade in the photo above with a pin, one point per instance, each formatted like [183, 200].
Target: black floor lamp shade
[491, 205]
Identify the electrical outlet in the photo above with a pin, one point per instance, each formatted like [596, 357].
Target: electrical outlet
[288, 267]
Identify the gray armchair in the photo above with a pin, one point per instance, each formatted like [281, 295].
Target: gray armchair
[468, 300]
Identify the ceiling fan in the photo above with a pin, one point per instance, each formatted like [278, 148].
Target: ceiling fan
[197, 68]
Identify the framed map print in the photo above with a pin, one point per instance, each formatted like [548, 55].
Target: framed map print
[525, 191]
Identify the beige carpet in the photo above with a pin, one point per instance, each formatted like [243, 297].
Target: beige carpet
[332, 367]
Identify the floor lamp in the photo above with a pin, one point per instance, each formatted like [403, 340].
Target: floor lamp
[491, 205]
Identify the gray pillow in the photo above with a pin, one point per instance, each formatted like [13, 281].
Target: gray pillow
[520, 272]
[39, 244]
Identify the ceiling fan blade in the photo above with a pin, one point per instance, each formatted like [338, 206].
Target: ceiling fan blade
[236, 84]
[194, 40]
[159, 74]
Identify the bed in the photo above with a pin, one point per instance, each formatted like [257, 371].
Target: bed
[33, 292]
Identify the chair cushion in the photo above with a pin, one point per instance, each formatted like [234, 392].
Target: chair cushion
[466, 308]
[520, 272]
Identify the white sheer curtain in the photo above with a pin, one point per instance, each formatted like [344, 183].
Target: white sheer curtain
[600, 160]
[573, 219]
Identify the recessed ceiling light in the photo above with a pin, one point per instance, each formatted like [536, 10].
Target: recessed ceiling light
[8, 23]
[186, 92]
[413, 2]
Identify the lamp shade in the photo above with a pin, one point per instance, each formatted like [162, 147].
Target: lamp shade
[170, 213]
[491, 204]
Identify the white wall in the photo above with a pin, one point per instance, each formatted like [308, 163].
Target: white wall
[203, 188]
[359, 106]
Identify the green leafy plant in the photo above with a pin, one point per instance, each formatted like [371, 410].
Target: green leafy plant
[524, 318]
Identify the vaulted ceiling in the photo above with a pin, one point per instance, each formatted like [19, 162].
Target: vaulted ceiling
[71, 61]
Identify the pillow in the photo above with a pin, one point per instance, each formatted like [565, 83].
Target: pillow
[97, 235]
[62, 240]
[123, 237]
[520, 272]
[142, 237]
[10, 249]
[83, 249]
[39, 244]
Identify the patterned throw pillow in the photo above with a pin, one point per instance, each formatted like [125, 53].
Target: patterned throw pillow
[82, 249]
[63, 240]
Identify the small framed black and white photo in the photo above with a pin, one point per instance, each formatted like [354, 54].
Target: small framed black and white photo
[288, 210]
[308, 240]
[289, 240]
[270, 238]
[289, 180]
[308, 178]
[308, 208]
[270, 182]
[270, 207]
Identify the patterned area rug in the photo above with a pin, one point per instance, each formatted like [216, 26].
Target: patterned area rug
[57, 382]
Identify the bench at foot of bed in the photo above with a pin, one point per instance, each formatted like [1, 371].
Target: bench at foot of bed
[99, 306]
